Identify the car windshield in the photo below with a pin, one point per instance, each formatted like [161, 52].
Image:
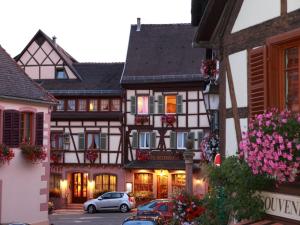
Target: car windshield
[139, 222]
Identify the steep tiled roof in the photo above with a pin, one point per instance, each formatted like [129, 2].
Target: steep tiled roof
[97, 79]
[14, 83]
[162, 53]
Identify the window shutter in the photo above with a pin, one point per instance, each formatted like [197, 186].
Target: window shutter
[39, 128]
[11, 128]
[257, 81]
[134, 143]
[81, 141]
[151, 104]
[152, 140]
[192, 135]
[173, 141]
[200, 136]
[161, 105]
[133, 105]
[103, 141]
[179, 104]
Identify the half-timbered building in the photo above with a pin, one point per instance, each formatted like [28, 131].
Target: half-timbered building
[258, 46]
[163, 104]
[25, 110]
[86, 125]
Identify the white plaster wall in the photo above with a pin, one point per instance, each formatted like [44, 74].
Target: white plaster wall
[21, 198]
[54, 57]
[25, 57]
[33, 47]
[70, 73]
[113, 158]
[46, 47]
[193, 107]
[202, 108]
[293, 5]
[114, 142]
[192, 94]
[32, 72]
[192, 121]
[47, 72]
[40, 56]
[181, 121]
[255, 12]
[238, 64]
[204, 121]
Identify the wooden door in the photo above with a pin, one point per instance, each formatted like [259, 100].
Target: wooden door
[162, 186]
[79, 184]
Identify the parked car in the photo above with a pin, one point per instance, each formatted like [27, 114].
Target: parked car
[163, 206]
[110, 201]
[143, 220]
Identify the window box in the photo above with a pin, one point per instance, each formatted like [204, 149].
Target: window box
[91, 155]
[169, 120]
[33, 153]
[142, 155]
[139, 119]
[6, 154]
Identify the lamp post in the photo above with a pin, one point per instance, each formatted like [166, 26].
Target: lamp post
[211, 101]
[188, 156]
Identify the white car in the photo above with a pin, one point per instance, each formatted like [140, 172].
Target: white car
[110, 201]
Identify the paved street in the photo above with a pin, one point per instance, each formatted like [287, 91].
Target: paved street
[81, 218]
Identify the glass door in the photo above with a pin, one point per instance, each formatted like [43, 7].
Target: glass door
[162, 186]
[79, 192]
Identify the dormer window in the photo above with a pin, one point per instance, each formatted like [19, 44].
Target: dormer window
[60, 74]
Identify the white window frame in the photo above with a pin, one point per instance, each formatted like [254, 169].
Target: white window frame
[181, 140]
[61, 105]
[69, 100]
[165, 101]
[143, 136]
[142, 97]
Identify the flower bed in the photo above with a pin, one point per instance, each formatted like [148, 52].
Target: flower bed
[6, 154]
[33, 153]
[271, 146]
[92, 155]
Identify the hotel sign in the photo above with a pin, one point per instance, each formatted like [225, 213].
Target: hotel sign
[287, 206]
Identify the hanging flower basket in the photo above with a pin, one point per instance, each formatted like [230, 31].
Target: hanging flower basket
[209, 148]
[91, 155]
[33, 153]
[55, 157]
[168, 119]
[271, 146]
[6, 154]
[142, 155]
[141, 119]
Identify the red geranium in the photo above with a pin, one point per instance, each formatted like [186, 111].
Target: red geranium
[92, 155]
[142, 155]
[141, 119]
[33, 153]
[6, 154]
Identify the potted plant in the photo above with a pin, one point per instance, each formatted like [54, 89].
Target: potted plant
[141, 119]
[209, 69]
[33, 153]
[6, 154]
[209, 147]
[271, 146]
[55, 157]
[142, 155]
[91, 155]
[168, 119]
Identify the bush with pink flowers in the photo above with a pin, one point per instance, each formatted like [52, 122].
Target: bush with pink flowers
[271, 146]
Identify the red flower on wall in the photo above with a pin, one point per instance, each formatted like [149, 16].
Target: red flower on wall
[142, 155]
[141, 119]
[55, 157]
[6, 154]
[91, 155]
[168, 119]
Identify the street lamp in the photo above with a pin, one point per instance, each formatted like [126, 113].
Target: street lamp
[211, 101]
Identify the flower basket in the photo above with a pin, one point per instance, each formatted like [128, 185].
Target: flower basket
[271, 146]
[142, 155]
[209, 68]
[6, 154]
[141, 119]
[33, 153]
[55, 157]
[168, 119]
[209, 147]
[91, 155]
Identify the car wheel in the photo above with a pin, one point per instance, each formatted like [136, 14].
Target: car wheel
[91, 209]
[124, 208]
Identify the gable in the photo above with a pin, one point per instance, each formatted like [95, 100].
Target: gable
[42, 58]
[254, 12]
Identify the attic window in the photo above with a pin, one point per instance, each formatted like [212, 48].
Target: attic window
[60, 74]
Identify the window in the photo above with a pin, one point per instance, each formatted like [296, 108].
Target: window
[57, 140]
[60, 74]
[143, 104]
[116, 195]
[115, 105]
[55, 181]
[170, 104]
[143, 182]
[82, 105]
[93, 141]
[105, 182]
[104, 105]
[181, 140]
[144, 140]
[93, 106]
[71, 105]
[178, 183]
[26, 127]
[61, 105]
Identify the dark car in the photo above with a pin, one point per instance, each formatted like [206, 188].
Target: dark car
[162, 206]
[143, 220]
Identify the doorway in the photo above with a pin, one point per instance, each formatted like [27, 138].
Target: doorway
[162, 186]
[79, 190]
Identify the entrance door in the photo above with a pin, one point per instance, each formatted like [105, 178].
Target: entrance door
[162, 186]
[79, 193]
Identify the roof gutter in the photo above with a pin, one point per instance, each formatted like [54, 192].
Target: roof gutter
[27, 100]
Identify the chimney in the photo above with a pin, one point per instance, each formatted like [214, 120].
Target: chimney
[54, 40]
[138, 24]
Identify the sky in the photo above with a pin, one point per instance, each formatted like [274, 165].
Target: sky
[89, 30]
